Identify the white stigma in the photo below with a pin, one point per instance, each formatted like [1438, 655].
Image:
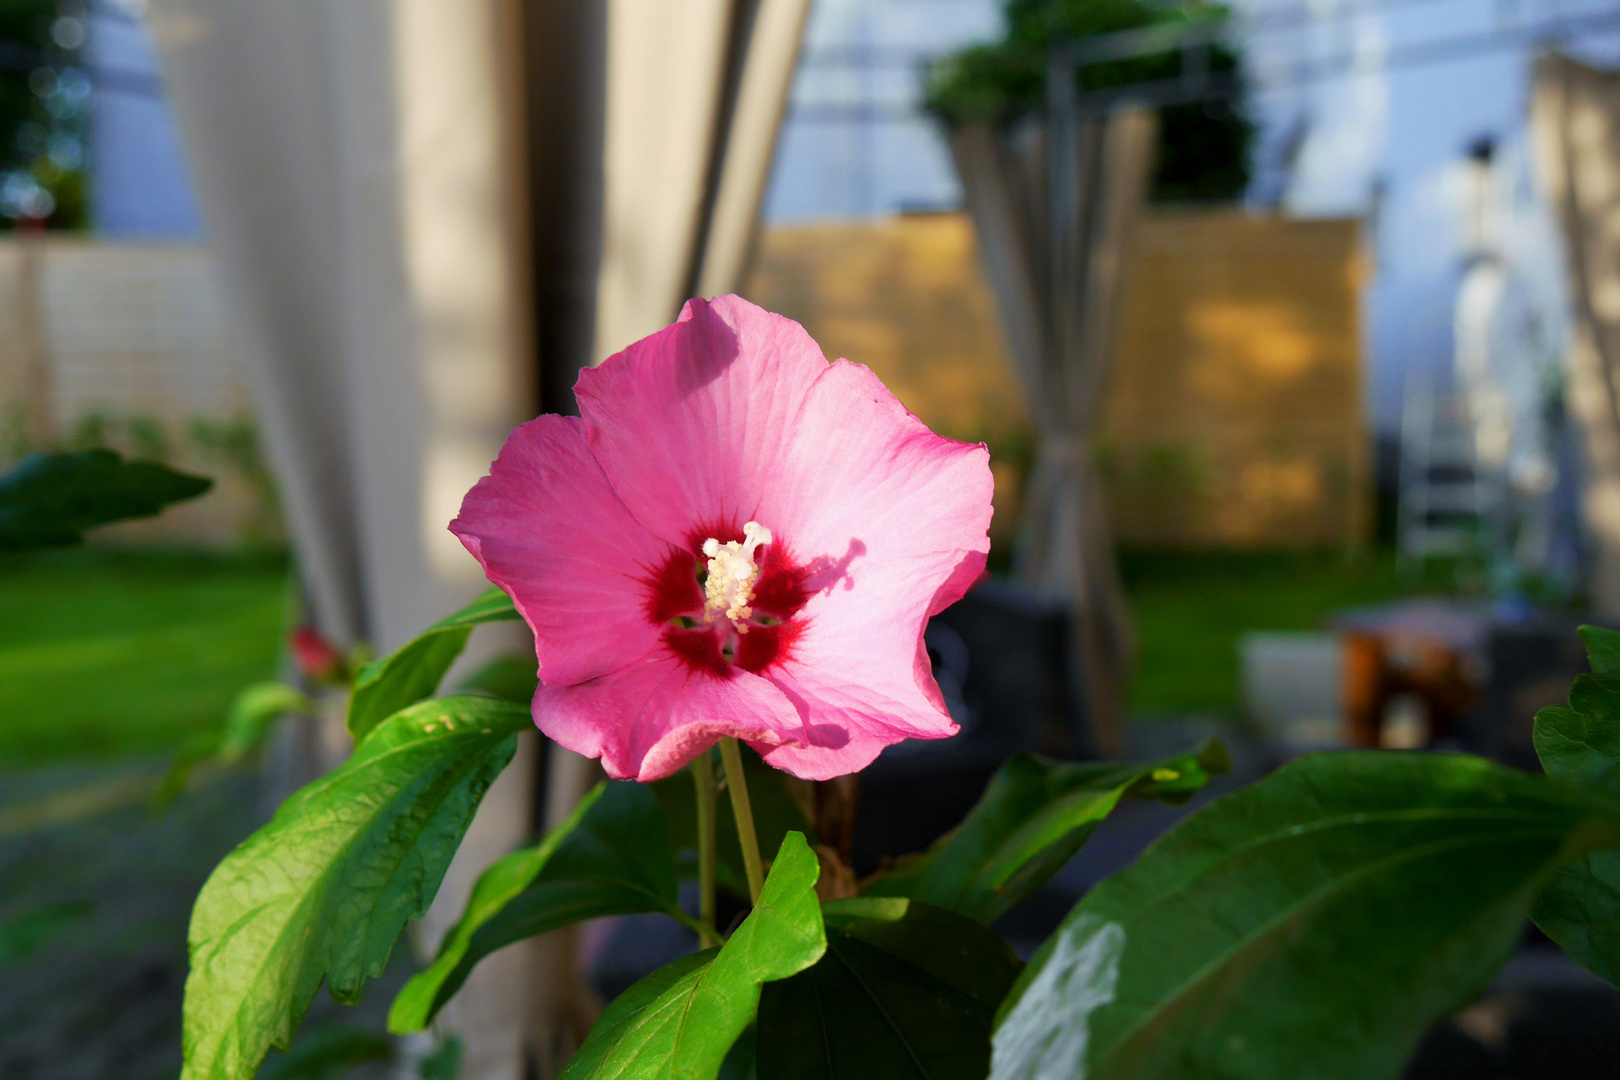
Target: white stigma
[732, 574]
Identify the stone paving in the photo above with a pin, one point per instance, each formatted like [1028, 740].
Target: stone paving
[95, 892]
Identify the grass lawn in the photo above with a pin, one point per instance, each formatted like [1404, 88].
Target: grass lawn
[1191, 610]
[106, 653]
[115, 652]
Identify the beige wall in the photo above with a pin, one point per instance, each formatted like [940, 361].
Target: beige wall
[137, 335]
[1235, 415]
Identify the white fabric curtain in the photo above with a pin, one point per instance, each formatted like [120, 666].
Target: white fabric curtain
[360, 195]
[404, 198]
[1054, 260]
[1575, 121]
[695, 93]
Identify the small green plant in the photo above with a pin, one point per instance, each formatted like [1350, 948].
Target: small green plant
[1203, 150]
[235, 443]
[1315, 922]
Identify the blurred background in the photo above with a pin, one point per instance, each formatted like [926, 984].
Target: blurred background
[1293, 329]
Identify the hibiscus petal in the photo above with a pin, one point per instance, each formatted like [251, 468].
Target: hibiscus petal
[648, 719]
[549, 530]
[855, 681]
[862, 479]
[720, 388]
[894, 523]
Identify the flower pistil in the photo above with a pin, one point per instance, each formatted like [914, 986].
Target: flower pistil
[732, 574]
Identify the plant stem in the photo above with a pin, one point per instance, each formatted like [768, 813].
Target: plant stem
[703, 777]
[737, 784]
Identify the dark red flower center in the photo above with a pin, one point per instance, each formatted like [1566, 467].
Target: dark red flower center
[750, 626]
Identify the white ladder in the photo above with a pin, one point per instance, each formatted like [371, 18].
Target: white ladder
[1446, 503]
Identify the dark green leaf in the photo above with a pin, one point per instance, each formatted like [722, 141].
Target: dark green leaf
[324, 889]
[509, 677]
[1602, 648]
[326, 1053]
[1580, 745]
[414, 672]
[683, 1019]
[740, 1063]
[50, 500]
[22, 934]
[906, 990]
[1314, 924]
[611, 857]
[444, 1063]
[775, 815]
[1580, 909]
[1034, 815]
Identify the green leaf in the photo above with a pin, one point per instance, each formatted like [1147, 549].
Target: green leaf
[22, 934]
[254, 714]
[326, 1053]
[775, 815]
[611, 857]
[444, 1063]
[906, 990]
[1602, 648]
[389, 683]
[1313, 924]
[1580, 745]
[740, 1063]
[682, 1020]
[324, 889]
[50, 500]
[1580, 909]
[1034, 815]
[508, 677]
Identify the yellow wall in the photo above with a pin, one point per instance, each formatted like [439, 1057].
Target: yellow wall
[1235, 415]
[1237, 389]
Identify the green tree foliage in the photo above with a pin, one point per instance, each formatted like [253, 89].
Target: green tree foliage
[1203, 151]
[44, 96]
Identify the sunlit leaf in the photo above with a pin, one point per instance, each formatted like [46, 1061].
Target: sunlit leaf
[682, 1020]
[323, 890]
[414, 672]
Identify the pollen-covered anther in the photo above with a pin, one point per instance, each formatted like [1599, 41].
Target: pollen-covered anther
[732, 575]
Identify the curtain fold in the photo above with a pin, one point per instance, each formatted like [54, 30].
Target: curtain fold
[1053, 241]
[694, 101]
[1575, 124]
[353, 166]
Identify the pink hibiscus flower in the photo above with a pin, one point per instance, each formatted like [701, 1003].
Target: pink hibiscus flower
[737, 538]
